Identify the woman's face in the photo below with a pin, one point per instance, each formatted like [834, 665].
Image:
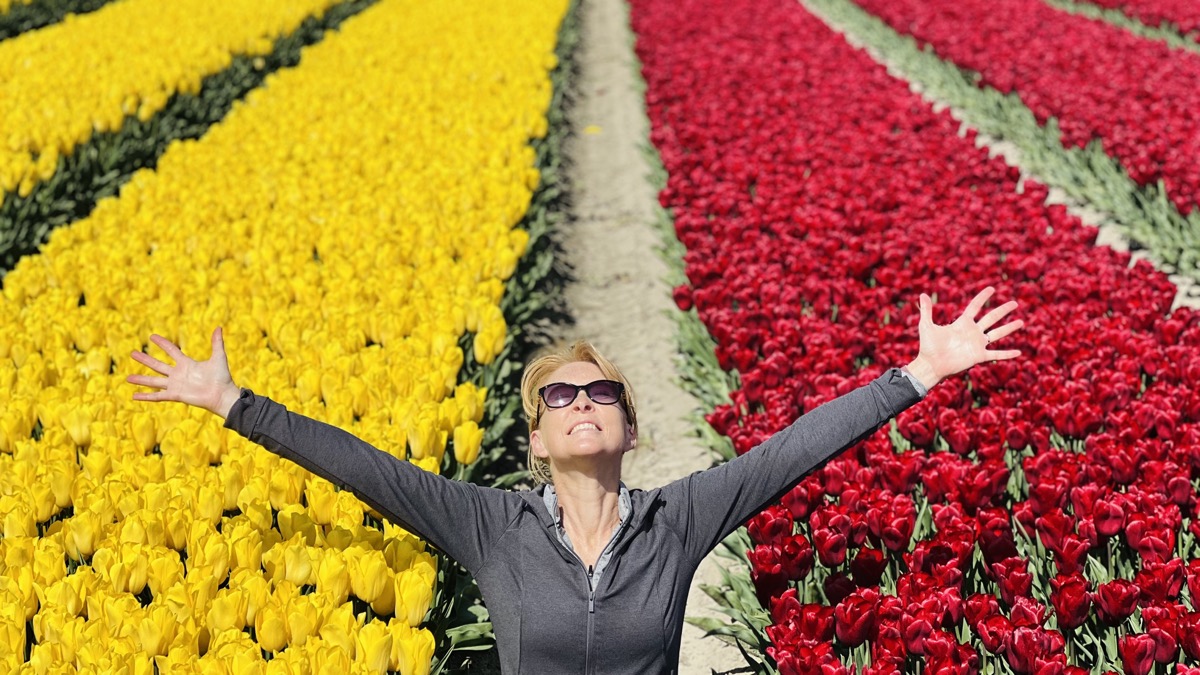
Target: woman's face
[583, 432]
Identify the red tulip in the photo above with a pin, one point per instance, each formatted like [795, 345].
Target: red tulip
[1023, 646]
[1137, 653]
[868, 566]
[855, 618]
[1071, 600]
[796, 557]
[1189, 635]
[994, 632]
[1013, 578]
[1116, 600]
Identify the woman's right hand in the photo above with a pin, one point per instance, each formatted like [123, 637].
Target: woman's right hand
[205, 384]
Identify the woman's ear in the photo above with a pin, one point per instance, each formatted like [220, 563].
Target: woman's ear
[536, 445]
[632, 437]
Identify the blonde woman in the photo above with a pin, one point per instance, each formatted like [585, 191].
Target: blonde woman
[582, 574]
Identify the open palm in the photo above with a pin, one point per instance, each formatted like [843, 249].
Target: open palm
[205, 384]
[953, 348]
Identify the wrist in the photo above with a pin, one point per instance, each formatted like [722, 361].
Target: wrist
[228, 397]
[921, 369]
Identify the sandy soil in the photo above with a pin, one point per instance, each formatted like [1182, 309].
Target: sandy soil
[619, 298]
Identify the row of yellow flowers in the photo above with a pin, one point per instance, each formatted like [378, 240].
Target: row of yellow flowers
[61, 84]
[347, 224]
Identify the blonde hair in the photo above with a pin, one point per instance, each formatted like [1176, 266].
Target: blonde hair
[536, 373]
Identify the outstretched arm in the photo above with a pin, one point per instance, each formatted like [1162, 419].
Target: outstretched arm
[459, 518]
[711, 504]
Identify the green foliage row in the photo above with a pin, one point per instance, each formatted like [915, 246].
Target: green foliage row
[1089, 175]
[41, 13]
[98, 168]
[532, 300]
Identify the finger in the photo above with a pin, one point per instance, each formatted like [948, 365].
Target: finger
[153, 396]
[1003, 355]
[168, 347]
[925, 305]
[1004, 331]
[978, 302]
[218, 344]
[147, 381]
[993, 317]
[151, 362]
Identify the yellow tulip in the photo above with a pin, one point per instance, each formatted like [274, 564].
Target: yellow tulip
[257, 589]
[81, 534]
[176, 523]
[156, 629]
[412, 649]
[270, 627]
[374, 647]
[414, 595]
[338, 538]
[232, 482]
[247, 549]
[468, 438]
[385, 603]
[330, 659]
[12, 641]
[210, 504]
[62, 478]
[293, 521]
[340, 628]
[333, 576]
[304, 616]
[143, 431]
[369, 574]
[165, 572]
[322, 500]
[18, 519]
[298, 563]
[77, 420]
[285, 487]
[228, 610]
[22, 598]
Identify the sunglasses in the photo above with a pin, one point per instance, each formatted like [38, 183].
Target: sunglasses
[562, 394]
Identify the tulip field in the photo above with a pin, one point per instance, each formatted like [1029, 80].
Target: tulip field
[363, 194]
[351, 223]
[1034, 516]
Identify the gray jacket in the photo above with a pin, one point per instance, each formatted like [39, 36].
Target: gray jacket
[550, 615]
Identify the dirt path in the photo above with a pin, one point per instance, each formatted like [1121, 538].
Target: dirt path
[619, 298]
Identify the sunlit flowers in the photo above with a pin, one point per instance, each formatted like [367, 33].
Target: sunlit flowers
[353, 236]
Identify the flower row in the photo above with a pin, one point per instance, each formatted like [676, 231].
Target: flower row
[1182, 14]
[350, 225]
[128, 58]
[1100, 83]
[816, 196]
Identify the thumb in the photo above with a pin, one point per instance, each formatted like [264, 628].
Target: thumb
[926, 307]
[218, 344]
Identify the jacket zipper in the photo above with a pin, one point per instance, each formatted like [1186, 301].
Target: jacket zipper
[587, 570]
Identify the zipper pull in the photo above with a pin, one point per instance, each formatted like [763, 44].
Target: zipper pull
[592, 603]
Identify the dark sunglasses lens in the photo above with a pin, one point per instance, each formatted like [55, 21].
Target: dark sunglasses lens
[559, 394]
[605, 392]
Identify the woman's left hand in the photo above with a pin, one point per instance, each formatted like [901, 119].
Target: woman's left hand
[951, 349]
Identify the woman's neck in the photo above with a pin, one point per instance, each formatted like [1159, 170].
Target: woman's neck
[590, 506]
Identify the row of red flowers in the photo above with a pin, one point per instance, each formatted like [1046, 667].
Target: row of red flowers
[1184, 15]
[1099, 81]
[1030, 513]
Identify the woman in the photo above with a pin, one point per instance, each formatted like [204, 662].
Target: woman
[583, 575]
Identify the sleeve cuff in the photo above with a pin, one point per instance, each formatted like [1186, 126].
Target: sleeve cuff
[921, 390]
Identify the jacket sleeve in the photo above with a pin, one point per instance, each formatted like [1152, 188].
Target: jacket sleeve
[713, 503]
[457, 517]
